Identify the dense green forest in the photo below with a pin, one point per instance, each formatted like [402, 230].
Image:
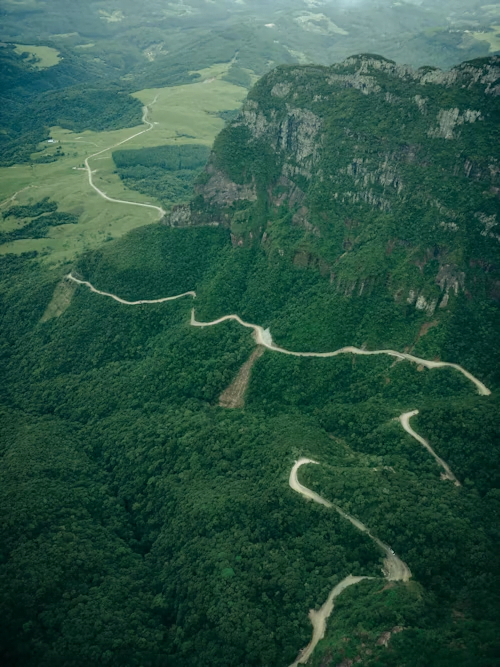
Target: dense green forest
[165, 172]
[142, 524]
[159, 529]
[30, 105]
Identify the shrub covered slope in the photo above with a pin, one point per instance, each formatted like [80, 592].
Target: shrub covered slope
[144, 525]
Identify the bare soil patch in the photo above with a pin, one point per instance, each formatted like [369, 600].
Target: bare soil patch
[234, 396]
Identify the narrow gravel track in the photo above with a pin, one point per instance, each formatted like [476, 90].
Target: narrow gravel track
[394, 568]
[70, 276]
[120, 143]
[405, 422]
[319, 618]
[263, 337]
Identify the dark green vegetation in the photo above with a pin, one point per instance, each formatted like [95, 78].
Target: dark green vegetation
[34, 100]
[382, 179]
[142, 524]
[35, 220]
[159, 529]
[164, 172]
[110, 49]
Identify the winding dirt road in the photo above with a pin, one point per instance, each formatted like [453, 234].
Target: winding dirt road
[120, 143]
[70, 276]
[263, 337]
[394, 568]
[319, 618]
[405, 422]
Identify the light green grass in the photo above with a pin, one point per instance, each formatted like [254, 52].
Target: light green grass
[185, 113]
[21, 5]
[42, 57]
[113, 17]
[65, 35]
[492, 37]
[179, 111]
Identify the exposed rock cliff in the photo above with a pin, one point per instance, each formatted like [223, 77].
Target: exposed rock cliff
[378, 172]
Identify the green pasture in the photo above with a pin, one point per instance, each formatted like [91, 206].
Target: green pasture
[492, 37]
[15, 6]
[100, 220]
[187, 113]
[181, 114]
[111, 17]
[41, 56]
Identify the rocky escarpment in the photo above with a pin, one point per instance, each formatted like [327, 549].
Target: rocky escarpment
[372, 172]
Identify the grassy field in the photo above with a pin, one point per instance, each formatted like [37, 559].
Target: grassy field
[22, 5]
[114, 17]
[187, 114]
[182, 114]
[41, 56]
[492, 37]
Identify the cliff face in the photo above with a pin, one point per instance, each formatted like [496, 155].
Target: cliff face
[372, 172]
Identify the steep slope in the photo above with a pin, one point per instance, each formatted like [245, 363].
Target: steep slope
[384, 179]
[144, 523]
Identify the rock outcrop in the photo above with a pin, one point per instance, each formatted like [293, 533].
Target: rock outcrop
[334, 164]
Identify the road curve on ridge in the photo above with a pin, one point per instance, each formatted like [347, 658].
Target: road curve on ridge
[70, 276]
[145, 120]
[263, 337]
[394, 568]
[318, 618]
[405, 422]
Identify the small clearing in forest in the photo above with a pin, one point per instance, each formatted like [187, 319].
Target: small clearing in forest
[61, 300]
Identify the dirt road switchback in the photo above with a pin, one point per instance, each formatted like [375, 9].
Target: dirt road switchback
[405, 423]
[394, 568]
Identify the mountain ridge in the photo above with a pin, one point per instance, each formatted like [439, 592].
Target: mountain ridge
[377, 175]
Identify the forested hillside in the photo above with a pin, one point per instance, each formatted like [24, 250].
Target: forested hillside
[143, 523]
[34, 100]
[124, 481]
[384, 181]
[165, 172]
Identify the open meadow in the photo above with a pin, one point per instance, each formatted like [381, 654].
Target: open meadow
[184, 114]
[41, 57]
[491, 36]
